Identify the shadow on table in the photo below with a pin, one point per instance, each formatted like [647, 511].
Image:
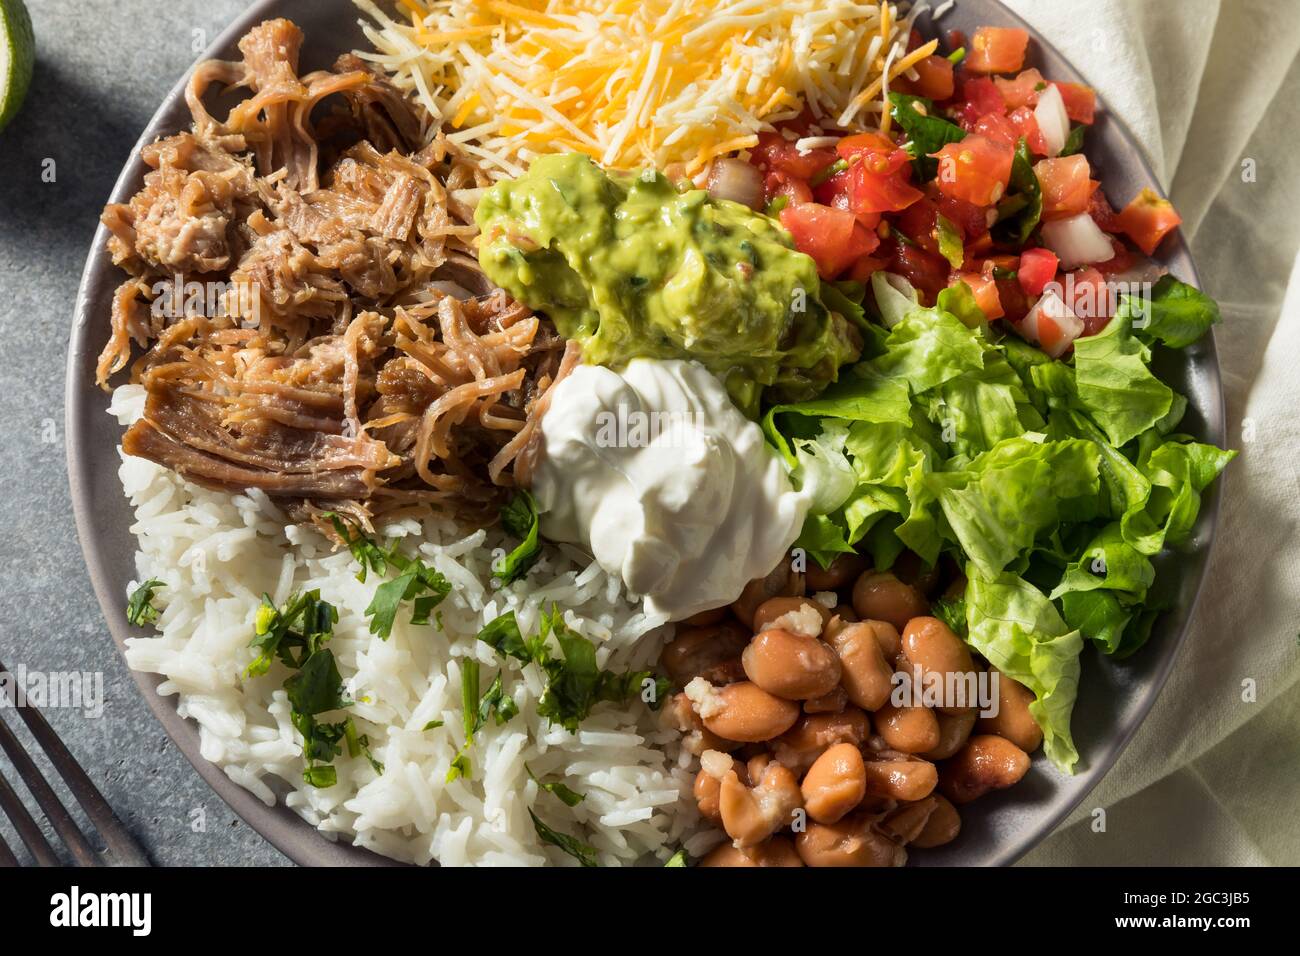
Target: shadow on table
[59, 159]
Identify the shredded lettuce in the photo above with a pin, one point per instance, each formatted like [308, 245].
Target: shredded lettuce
[1021, 633]
[1176, 316]
[1115, 386]
[1053, 482]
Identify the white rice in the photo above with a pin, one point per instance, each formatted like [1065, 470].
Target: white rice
[217, 553]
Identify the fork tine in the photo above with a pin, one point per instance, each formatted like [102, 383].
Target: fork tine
[27, 829]
[48, 800]
[125, 851]
[7, 857]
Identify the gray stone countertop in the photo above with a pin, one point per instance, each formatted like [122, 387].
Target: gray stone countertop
[102, 70]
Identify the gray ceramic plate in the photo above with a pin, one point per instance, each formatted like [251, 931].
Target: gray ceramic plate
[1113, 699]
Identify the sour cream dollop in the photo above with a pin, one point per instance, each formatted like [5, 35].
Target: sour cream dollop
[666, 482]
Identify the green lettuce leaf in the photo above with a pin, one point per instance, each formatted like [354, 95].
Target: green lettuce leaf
[1019, 631]
[1008, 497]
[1114, 385]
[1177, 314]
[1178, 471]
[929, 347]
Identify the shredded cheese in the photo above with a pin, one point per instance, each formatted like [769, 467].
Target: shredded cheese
[636, 83]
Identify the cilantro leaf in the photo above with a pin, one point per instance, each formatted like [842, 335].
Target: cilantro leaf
[567, 796]
[519, 517]
[368, 555]
[926, 132]
[139, 609]
[1019, 213]
[584, 854]
[502, 635]
[1074, 142]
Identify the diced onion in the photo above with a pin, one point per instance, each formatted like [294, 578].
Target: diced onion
[1053, 120]
[1051, 324]
[738, 181]
[1077, 241]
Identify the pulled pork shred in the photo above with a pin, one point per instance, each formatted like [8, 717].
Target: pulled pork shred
[343, 350]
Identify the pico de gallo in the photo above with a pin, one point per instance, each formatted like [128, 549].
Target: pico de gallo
[980, 179]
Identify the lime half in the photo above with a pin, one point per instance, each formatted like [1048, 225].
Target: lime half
[17, 56]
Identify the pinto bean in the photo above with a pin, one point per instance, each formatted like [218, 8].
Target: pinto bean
[789, 665]
[798, 614]
[954, 731]
[751, 815]
[900, 777]
[1013, 719]
[834, 784]
[941, 827]
[853, 841]
[745, 712]
[905, 823]
[986, 763]
[912, 730]
[775, 851]
[935, 653]
[845, 568]
[808, 739]
[865, 674]
[831, 703]
[711, 652]
[784, 581]
[880, 596]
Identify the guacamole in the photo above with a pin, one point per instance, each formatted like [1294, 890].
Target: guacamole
[630, 267]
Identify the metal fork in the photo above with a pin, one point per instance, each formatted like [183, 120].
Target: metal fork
[121, 848]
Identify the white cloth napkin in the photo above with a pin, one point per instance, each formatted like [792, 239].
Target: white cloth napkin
[1211, 88]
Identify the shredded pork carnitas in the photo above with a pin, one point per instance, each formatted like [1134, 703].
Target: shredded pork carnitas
[304, 281]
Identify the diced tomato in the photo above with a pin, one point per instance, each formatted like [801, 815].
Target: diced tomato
[1066, 186]
[934, 79]
[850, 146]
[1026, 125]
[976, 248]
[832, 237]
[1148, 219]
[970, 219]
[1090, 298]
[996, 126]
[997, 50]
[872, 192]
[1102, 213]
[976, 170]
[1015, 303]
[1023, 90]
[775, 152]
[1123, 260]
[917, 222]
[979, 97]
[1037, 268]
[1080, 101]
[927, 272]
[1003, 261]
[985, 290]
[838, 192]
[914, 40]
[955, 39]
[792, 188]
[865, 268]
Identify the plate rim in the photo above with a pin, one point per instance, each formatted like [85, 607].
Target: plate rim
[278, 824]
